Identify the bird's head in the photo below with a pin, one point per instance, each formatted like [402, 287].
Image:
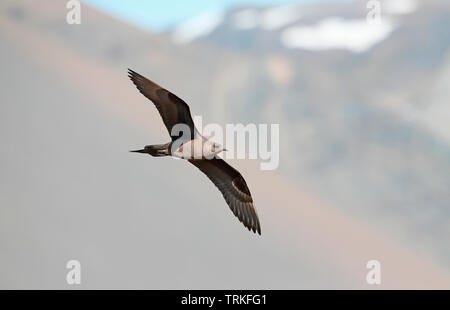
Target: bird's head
[215, 148]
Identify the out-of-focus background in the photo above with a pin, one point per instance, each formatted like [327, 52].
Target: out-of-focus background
[364, 144]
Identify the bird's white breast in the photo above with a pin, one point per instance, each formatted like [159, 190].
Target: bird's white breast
[196, 148]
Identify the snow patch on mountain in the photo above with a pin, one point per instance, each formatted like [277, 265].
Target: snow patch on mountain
[268, 19]
[197, 27]
[400, 7]
[356, 35]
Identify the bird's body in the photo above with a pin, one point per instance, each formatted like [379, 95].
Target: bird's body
[187, 143]
[195, 148]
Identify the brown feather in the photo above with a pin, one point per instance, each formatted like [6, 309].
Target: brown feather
[233, 188]
[172, 109]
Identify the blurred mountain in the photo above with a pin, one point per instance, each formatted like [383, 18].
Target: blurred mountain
[362, 125]
[360, 122]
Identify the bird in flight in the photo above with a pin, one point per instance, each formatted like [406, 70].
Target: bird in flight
[187, 143]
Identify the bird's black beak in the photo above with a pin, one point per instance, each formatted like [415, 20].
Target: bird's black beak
[139, 151]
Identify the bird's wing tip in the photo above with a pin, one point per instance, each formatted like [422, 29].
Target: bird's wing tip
[132, 73]
[257, 230]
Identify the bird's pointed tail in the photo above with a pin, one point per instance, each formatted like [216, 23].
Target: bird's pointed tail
[155, 150]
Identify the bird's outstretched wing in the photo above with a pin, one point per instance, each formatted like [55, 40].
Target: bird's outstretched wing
[234, 189]
[172, 109]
